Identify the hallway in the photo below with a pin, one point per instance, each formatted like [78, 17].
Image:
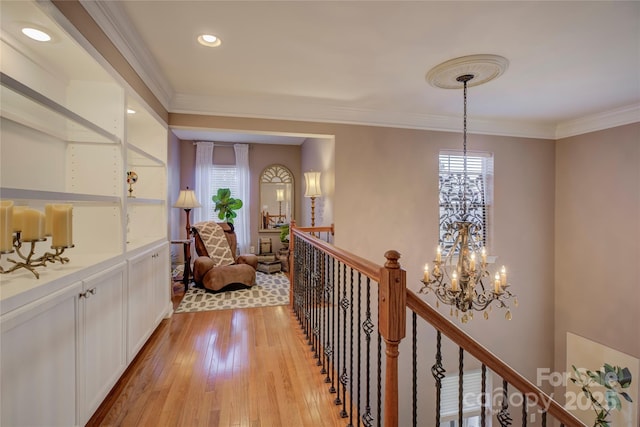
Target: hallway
[247, 367]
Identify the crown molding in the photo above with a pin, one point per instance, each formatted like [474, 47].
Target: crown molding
[279, 109]
[111, 18]
[595, 122]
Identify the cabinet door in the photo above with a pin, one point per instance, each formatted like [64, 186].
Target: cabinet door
[103, 331]
[38, 359]
[161, 283]
[139, 313]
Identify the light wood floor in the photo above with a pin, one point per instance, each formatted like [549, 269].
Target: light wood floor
[248, 367]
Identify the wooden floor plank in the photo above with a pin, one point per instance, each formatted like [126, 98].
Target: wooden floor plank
[248, 367]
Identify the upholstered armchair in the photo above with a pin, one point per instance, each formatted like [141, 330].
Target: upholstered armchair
[217, 264]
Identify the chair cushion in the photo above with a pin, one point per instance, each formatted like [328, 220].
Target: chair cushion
[215, 241]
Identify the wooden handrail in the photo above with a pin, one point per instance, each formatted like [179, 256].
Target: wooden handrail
[366, 267]
[323, 229]
[495, 364]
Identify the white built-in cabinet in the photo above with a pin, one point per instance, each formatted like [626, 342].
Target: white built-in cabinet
[146, 300]
[66, 137]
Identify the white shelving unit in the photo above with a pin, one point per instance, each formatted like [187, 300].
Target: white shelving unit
[66, 137]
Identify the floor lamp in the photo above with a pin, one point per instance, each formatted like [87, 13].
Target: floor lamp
[312, 190]
[187, 200]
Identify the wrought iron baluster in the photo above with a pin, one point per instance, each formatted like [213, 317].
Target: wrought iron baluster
[314, 298]
[330, 305]
[524, 410]
[367, 326]
[344, 377]
[414, 363]
[379, 396]
[337, 400]
[350, 377]
[335, 286]
[503, 416]
[358, 400]
[438, 374]
[460, 386]
[323, 315]
[544, 419]
[483, 397]
[307, 314]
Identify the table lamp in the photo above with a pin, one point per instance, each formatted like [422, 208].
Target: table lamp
[187, 200]
[312, 190]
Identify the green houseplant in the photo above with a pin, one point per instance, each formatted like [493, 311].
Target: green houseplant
[284, 235]
[226, 206]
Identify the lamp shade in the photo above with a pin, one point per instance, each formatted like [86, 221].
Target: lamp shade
[187, 200]
[312, 188]
[280, 195]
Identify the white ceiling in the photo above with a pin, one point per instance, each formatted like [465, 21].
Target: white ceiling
[574, 65]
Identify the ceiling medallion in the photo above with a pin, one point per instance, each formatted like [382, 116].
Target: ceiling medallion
[483, 68]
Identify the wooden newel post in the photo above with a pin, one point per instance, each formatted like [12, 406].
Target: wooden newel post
[393, 318]
[292, 266]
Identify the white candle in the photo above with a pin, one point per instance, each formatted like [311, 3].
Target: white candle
[439, 254]
[454, 281]
[496, 284]
[62, 235]
[503, 277]
[426, 273]
[17, 217]
[6, 225]
[32, 225]
[48, 219]
[472, 262]
[484, 255]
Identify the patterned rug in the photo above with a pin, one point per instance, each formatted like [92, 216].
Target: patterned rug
[271, 289]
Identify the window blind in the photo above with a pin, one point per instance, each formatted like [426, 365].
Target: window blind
[222, 177]
[471, 395]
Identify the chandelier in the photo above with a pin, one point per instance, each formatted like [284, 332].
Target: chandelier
[461, 277]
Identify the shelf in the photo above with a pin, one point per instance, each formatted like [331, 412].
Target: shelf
[140, 157]
[55, 196]
[144, 201]
[25, 106]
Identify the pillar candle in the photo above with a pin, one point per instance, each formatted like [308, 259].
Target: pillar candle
[6, 225]
[496, 283]
[454, 281]
[503, 277]
[17, 217]
[62, 235]
[425, 278]
[48, 220]
[32, 225]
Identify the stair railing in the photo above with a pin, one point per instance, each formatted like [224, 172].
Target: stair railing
[347, 306]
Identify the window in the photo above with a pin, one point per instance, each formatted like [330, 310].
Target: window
[222, 177]
[475, 192]
[471, 399]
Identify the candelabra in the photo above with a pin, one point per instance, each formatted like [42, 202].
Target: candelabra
[466, 276]
[30, 261]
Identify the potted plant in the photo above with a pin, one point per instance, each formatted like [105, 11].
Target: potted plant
[226, 206]
[284, 236]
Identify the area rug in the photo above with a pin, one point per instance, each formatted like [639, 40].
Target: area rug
[270, 290]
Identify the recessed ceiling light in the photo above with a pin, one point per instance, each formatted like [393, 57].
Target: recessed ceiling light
[131, 111]
[209, 40]
[36, 34]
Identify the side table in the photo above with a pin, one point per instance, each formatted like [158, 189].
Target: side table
[186, 276]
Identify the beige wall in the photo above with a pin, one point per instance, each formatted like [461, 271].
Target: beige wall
[597, 292]
[318, 154]
[386, 196]
[260, 156]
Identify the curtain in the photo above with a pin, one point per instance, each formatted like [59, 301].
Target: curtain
[242, 225]
[204, 161]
